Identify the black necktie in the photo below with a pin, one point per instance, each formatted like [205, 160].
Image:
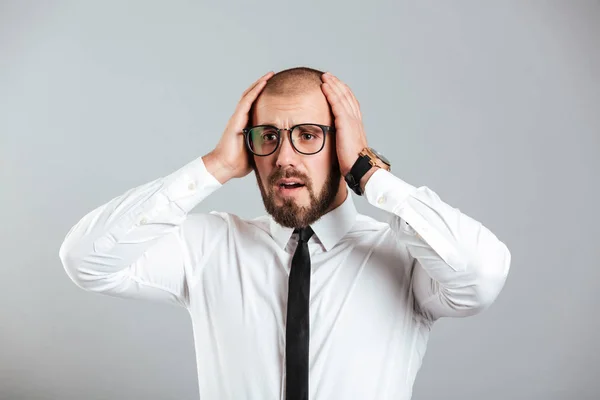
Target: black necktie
[297, 324]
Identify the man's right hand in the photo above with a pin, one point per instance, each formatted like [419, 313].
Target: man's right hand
[229, 159]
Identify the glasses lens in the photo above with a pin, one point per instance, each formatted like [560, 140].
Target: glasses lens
[263, 140]
[308, 138]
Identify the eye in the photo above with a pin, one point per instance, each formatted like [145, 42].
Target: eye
[309, 133]
[269, 137]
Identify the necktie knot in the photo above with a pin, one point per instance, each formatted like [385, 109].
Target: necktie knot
[304, 233]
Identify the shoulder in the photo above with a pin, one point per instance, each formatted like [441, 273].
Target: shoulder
[365, 224]
[366, 229]
[380, 238]
[220, 221]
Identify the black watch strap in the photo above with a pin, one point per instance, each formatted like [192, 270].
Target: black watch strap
[358, 170]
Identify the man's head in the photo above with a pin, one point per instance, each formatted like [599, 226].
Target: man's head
[293, 97]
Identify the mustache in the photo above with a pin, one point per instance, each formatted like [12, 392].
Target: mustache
[287, 174]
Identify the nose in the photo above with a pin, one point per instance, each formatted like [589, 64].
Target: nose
[286, 154]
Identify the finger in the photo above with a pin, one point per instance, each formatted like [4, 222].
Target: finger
[264, 77]
[350, 100]
[335, 87]
[339, 95]
[246, 101]
[347, 93]
[334, 100]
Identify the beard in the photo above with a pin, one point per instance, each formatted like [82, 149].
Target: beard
[291, 215]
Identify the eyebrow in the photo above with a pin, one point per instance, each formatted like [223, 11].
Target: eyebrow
[299, 123]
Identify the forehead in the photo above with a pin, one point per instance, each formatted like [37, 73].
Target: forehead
[285, 111]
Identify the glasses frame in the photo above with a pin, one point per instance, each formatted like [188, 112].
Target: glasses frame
[324, 128]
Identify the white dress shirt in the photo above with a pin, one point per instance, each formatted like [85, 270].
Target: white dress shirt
[376, 288]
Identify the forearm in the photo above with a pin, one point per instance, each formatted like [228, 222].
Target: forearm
[460, 266]
[113, 236]
[217, 168]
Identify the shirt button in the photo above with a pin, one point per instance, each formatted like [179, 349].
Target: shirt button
[143, 221]
[381, 200]
[192, 186]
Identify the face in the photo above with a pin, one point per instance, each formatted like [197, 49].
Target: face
[321, 187]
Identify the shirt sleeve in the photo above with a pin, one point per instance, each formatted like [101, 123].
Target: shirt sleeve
[460, 266]
[135, 245]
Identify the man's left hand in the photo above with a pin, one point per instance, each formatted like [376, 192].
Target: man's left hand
[350, 134]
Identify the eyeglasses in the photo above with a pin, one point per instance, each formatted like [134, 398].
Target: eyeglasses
[264, 140]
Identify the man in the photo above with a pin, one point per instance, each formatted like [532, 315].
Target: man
[340, 308]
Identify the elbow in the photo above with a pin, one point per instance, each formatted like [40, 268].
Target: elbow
[486, 293]
[71, 254]
[92, 271]
[490, 274]
[85, 258]
[476, 289]
[82, 270]
[71, 263]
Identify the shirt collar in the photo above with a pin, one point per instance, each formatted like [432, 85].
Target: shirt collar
[330, 228]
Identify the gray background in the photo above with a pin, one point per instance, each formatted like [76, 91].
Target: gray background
[494, 105]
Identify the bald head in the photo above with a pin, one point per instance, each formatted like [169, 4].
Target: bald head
[293, 82]
[290, 83]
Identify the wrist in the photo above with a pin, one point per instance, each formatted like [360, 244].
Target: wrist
[217, 168]
[365, 165]
[366, 177]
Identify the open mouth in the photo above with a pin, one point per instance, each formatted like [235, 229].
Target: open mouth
[290, 187]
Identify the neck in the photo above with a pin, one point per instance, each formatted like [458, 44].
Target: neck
[340, 197]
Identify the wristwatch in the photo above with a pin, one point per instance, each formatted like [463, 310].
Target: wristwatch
[367, 159]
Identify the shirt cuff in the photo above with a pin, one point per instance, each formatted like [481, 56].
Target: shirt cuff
[386, 191]
[191, 184]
